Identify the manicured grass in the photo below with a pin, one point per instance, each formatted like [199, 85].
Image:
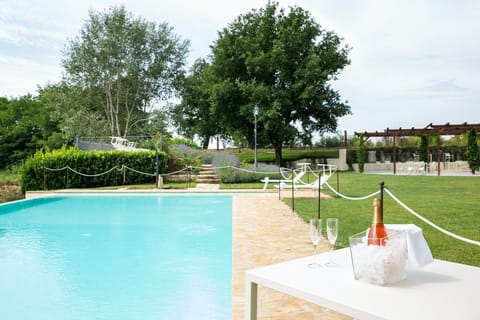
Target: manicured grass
[453, 203]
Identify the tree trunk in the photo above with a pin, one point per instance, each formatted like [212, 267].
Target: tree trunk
[205, 143]
[278, 155]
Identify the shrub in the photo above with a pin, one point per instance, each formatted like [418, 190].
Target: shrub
[361, 157]
[222, 162]
[228, 169]
[207, 157]
[184, 141]
[37, 173]
[472, 153]
[183, 155]
[248, 174]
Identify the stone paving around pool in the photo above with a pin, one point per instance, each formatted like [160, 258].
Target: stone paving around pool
[266, 231]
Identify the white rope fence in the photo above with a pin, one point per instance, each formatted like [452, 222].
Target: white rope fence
[84, 174]
[451, 234]
[123, 167]
[139, 172]
[352, 198]
[282, 171]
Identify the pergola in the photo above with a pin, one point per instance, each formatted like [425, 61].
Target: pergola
[431, 129]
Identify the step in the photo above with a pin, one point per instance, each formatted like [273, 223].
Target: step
[201, 175]
[207, 175]
[207, 180]
[206, 186]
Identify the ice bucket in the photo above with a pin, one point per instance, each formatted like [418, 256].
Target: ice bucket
[384, 264]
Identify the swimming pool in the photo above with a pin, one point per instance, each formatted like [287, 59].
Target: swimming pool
[116, 257]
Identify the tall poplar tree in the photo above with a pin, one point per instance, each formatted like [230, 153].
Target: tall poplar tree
[472, 152]
[129, 63]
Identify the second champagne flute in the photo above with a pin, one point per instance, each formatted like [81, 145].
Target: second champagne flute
[332, 234]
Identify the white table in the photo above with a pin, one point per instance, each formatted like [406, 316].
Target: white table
[441, 290]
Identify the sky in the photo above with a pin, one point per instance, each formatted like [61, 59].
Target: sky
[413, 62]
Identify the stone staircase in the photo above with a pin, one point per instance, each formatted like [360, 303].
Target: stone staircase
[207, 175]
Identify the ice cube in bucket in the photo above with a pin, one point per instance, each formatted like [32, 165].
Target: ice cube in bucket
[379, 265]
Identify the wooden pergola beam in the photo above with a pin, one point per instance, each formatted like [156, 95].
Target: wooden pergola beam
[432, 129]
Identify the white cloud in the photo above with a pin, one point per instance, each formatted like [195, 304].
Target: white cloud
[21, 34]
[23, 76]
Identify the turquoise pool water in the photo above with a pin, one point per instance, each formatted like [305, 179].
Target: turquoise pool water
[116, 257]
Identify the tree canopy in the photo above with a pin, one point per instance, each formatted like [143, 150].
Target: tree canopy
[193, 116]
[284, 63]
[25, 126]
[128, 65]
[75, 109]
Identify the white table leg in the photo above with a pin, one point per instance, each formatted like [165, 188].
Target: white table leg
[250, 300]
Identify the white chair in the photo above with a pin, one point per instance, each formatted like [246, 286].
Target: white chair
[296, 179]
[305, 186]
[448, 157]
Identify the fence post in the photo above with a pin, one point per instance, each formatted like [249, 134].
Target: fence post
[319, 196]
[189, 176]
[279, 184]
[159, 184]
[338, 183]
[293, 194]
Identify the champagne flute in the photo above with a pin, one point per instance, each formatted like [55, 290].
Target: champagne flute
[332, 234]
[315, 231]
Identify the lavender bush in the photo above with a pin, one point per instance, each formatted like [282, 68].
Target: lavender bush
[228, 169]
[185, 155]
[222, 162]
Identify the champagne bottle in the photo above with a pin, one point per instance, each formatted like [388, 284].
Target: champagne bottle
[377, 233]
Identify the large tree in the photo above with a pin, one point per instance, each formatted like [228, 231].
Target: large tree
[75, 109]
[25, 126]
[130, 63]
[284, 63]
[194, 116]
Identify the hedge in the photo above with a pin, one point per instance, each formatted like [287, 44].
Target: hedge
[42, 170]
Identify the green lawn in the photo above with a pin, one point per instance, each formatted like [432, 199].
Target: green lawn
[453, 203]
